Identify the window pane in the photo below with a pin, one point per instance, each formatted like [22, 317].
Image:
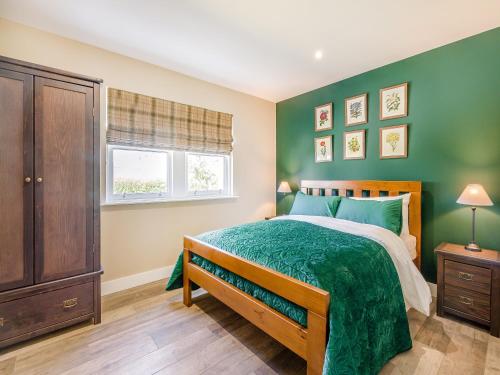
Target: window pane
[205, 172]
[139, 172]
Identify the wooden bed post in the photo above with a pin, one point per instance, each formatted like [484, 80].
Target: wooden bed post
[316, 343]
[186, 282]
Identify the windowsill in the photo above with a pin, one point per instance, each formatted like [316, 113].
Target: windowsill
[168, 200]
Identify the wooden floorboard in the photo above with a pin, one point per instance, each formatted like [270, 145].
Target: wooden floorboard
[146, 330]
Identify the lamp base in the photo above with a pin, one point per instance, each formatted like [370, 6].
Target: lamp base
[472, 247]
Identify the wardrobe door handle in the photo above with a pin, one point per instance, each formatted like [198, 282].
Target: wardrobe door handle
[39, 179]
[27, 179]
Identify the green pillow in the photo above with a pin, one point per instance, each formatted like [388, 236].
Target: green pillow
[314, 205]
[385, 214]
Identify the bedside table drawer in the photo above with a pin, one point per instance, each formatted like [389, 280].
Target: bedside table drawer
[472, 303]
[468, 277]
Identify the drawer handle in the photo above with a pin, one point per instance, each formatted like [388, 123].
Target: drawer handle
[2, 322]
[466, 300]
[70, 303]
[465, 276]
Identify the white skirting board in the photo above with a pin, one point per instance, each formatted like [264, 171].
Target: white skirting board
[127, 282]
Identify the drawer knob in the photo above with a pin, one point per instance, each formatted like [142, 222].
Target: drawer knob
[466, 300]
[465, 276]
[70, 303]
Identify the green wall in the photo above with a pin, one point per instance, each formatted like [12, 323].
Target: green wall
[453, 137]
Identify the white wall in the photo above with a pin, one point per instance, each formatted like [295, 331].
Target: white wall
[139, 238]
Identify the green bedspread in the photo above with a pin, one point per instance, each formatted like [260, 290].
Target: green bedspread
[367, 320]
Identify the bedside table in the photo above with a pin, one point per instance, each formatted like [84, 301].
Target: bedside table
[468, 285]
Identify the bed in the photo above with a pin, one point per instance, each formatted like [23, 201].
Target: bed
[292, 307]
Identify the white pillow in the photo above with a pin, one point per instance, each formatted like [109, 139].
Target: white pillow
[405, 228]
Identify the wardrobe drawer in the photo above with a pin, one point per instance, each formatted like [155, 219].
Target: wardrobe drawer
[29, 314]
[475, 304]
[467, 276]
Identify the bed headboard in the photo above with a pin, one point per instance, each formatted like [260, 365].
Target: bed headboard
[376, 188]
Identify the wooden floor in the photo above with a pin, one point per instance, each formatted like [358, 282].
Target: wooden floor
[148, 331]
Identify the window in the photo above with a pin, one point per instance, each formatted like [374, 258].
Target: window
[206, 173]
[138, 173]
[143, 174]
[159, 150]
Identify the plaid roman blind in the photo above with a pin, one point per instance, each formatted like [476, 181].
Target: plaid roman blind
[144, 121]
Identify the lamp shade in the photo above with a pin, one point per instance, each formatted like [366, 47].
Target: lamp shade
[474, 195]
[284, 187]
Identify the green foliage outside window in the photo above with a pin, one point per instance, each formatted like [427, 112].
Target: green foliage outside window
[131, 186]
[201, 177]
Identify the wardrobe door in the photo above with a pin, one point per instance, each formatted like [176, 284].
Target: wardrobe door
[16, 180]
[63, 179]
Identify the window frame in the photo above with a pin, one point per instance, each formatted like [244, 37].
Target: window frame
[177, 178]
[112, 197]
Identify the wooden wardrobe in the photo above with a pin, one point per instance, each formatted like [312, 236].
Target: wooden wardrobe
[49, 200]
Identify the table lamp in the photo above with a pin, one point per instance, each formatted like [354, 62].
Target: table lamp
[284, 188]
[474, 195]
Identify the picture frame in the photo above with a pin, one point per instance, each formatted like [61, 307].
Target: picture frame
[393, 142]
[356, 110]
[323, 117]
[323, 151]
[394, 101]
[354, 145]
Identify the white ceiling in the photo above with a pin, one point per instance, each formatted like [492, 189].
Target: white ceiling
[261, 47]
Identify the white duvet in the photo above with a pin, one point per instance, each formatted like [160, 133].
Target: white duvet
[416, 292]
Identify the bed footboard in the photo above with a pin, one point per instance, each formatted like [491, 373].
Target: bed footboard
[309, 343]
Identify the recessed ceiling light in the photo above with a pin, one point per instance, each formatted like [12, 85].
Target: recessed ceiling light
[318, 55]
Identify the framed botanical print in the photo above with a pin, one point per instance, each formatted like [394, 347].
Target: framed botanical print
[323, 149]
[356, 110]
[354, 144]
[394, 101]
[323, 117]
[393, 142]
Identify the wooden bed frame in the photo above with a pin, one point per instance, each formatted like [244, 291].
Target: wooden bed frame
[309, 343]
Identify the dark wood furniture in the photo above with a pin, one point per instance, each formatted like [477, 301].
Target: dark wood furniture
[468, 285]
[49, 200]
[309, 343]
